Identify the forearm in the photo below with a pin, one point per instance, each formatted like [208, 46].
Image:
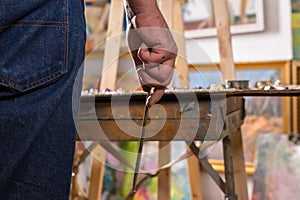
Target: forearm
[141, 6]
[145, 13]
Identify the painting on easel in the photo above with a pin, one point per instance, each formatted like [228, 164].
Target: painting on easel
[245, 16]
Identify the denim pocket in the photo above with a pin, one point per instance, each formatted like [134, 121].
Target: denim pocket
[34, 49]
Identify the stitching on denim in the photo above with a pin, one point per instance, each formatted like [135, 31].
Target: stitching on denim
[40, 25]
[41, 79]
[66, 58]
[55, 22]
[3, 27]
[43, 21]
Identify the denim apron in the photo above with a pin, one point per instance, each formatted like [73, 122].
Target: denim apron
[41, 54]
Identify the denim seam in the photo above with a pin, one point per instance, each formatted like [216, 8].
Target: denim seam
[41, 25]
[43, 21]
[34, 21]
[41, 79]
[66, 58]
[3, 27]
[32, 84]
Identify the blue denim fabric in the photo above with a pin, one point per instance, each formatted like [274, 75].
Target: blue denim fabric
[41, 50]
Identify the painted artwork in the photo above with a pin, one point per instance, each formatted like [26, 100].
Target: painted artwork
[245, 16]
[277, 174]
[296, 28]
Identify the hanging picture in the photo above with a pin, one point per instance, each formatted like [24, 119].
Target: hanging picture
[245, 16]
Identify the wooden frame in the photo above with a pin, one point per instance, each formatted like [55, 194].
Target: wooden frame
[295, 102]
[284, 67]
[203, 26]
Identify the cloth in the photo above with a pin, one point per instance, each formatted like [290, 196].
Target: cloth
[41, 54]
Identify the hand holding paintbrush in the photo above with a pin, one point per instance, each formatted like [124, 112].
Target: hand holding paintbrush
[152, 46]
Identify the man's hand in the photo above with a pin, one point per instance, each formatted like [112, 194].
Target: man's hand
[152, 46]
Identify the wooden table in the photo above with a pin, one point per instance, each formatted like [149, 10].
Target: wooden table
[183, 115]
[180, 116]
[197, 115]
[107, 116]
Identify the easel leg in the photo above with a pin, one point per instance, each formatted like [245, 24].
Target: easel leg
[194, 176]
[164, 177]
[97, 173]
[229, 187]
[240, 176]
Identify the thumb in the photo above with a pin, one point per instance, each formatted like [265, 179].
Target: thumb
[143, 53]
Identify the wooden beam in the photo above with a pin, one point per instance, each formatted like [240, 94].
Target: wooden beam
[296, 102]
[224, 39]
[228, 73]
[287, 101]
[194, 177]
[108, 80]
[240, 176]
[181, 65]
[97, 173]
[112, 45]
[167, 9]
[164, 177]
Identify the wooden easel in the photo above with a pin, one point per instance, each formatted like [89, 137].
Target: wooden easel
[108, 80]
[227, 68]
